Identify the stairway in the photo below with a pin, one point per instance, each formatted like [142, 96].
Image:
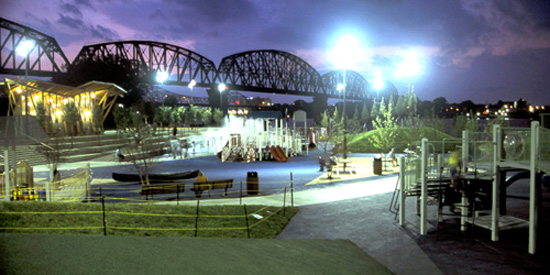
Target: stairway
[83, 148]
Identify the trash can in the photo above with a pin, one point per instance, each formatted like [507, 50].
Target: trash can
[377, 166]
[252, 183]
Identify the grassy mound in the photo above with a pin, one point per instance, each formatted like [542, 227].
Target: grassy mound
[144, 219]
[362, 142]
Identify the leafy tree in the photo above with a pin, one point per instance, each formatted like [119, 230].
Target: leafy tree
[462, 122]
[324, 119]
[355, 125]
[365, 113]
[412, 102]
[191, 114]
[178, 115]
[439, 104]
[217, 116]
[70, 117]
[42, 116]
[164, 115]
[122, 118]
[374, 112]
[170, 100]
[97, 118]
[400, 109]
[206, 116]
[385, 128]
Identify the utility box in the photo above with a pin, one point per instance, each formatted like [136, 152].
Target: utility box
[252, 183]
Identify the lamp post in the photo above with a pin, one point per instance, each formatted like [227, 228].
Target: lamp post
[347, 50]
[191, 85]
[161, 77]
[378, 83]
[24, 49]
[221, 87]
[409, 68]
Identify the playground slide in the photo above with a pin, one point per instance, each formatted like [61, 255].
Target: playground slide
[282, 153]
[277, 154]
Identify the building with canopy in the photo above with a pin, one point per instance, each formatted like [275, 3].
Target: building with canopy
[48, 102]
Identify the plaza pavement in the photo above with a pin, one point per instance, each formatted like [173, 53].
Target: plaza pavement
[356, 207]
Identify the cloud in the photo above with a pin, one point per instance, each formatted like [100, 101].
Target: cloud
[103, 33]
[72, 23]
[72, 9]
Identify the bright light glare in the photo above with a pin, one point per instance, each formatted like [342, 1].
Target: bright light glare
[340, 87]
[25, 47]
[346, 52]
[192, 84]
[162, 76]
[410, 66]
[221, 87]
[378, 83]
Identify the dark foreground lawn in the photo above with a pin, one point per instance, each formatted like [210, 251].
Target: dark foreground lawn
[132, 219]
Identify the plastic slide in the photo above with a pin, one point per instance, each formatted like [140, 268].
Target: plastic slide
[282, 153]
[277, 154]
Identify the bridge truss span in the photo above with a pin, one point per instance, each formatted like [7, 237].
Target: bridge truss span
[186, 65]
[45, 58]
[271, 71]
[356, 86]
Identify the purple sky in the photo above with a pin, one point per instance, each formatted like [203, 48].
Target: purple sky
[477, 50]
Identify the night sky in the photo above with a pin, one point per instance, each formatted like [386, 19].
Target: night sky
[477, 50]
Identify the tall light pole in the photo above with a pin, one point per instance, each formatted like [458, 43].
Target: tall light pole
[409, 68]
[344, 55]
[221, 87]
[161, 77]
[192, 84]
[24, 49]
[378, 83]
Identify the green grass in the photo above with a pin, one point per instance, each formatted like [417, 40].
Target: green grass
[142, 219]
[359, 143]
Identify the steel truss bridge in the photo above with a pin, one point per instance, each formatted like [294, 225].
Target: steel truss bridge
[268, 71]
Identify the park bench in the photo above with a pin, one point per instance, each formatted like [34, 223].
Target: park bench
[162, 188]
[198, 187]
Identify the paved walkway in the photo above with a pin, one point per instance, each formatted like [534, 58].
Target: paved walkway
[355, 207]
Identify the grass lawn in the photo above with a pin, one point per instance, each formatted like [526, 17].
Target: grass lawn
[360, 143]
[143, 219]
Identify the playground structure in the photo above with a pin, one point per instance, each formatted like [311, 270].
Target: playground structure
[485, 161]
[248, 139]
[262, 139]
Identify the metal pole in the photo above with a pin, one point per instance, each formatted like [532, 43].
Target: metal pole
[345, 120]
[291, 190]
[534, 187]
[26, 86]
[402, 191]
[496, 184]
[7, 175]
[424, 190]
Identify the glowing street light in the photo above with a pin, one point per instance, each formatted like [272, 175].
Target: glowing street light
[378, 83]
[221, 87]
[162, 76]
[409, 68]
[24, 49]
[191, 85]
[339, 88]
[344, 54]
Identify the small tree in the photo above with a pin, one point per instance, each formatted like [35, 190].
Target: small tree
[164, 115]
[70, 116]
[324, 120]
[42, 116]
[217, 116]
[97, 118]
[206, 116]
[385, 128]
[365, 114]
